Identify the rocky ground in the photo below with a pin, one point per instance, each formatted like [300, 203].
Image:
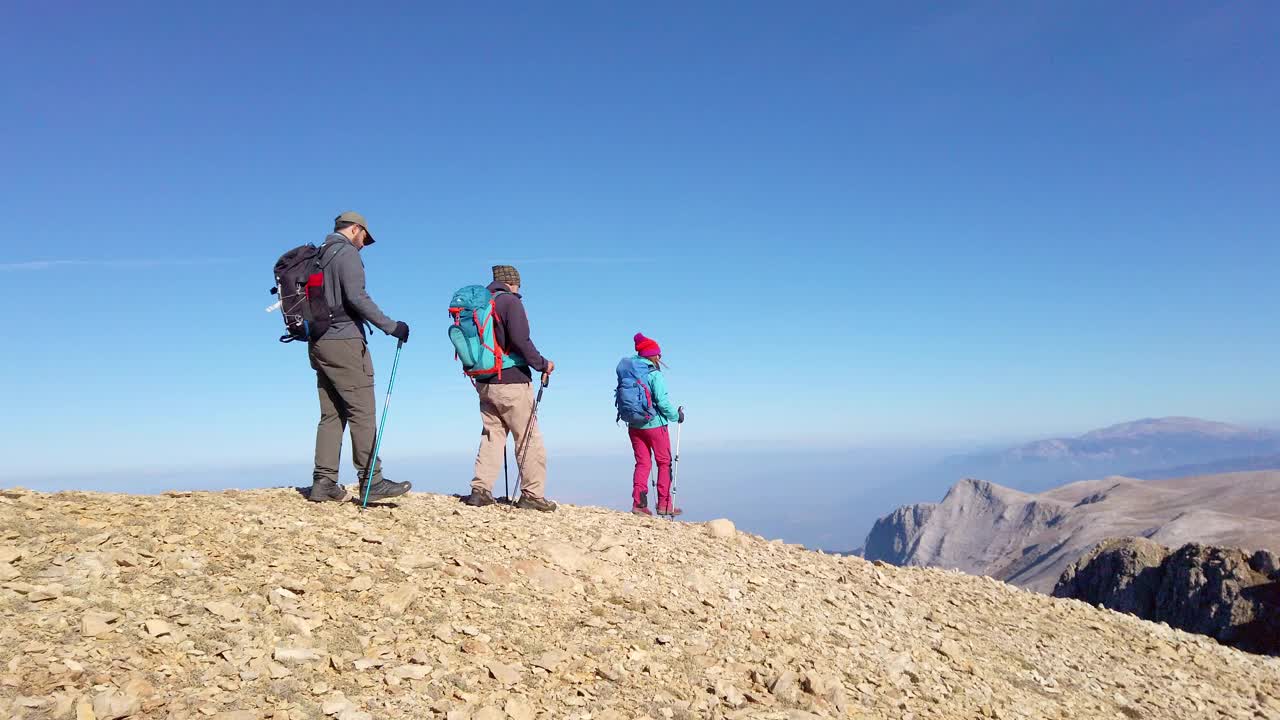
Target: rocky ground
[246, 605]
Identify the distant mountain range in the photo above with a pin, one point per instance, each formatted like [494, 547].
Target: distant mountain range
[1029, 539]
[1151, 448]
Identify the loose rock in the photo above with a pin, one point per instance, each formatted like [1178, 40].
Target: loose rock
[721, 528]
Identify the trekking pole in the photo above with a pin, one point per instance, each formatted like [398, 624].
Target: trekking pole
[675, 460]
[520, 453]
[382, 425]
[506, 474]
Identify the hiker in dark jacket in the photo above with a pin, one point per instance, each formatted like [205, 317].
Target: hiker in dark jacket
[507, 403]
[344, 368]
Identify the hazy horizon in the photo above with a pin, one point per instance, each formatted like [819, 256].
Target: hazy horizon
[753, 491]
[821, 498]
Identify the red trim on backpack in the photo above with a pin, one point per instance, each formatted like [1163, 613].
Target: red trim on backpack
[456, 313]
[498, 352]
[648, 395]
[501, 353]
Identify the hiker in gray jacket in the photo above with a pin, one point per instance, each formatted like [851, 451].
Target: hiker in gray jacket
[344, 368]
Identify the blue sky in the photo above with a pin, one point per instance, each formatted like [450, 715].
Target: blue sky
[851, 225]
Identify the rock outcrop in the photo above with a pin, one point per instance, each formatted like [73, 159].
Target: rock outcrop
[976, 526]
[1224, 593]
[253, 605]
[1029, 540]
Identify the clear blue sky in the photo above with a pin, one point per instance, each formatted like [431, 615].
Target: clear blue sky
[849, 224]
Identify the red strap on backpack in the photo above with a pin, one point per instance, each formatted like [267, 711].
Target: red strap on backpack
[648, 395]
[498, 352]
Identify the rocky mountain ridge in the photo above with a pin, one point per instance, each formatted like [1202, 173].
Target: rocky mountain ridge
[1030, 539]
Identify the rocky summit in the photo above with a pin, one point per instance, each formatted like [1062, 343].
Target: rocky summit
[248, 605]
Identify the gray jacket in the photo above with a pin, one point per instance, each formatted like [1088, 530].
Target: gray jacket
[344, 289]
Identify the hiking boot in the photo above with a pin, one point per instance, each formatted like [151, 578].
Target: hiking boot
[479, 498]
[641, 510]
[326, 491]
[670, 510]
[384, 490]
[528, 502]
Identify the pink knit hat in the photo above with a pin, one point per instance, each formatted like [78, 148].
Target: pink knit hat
[647, 348]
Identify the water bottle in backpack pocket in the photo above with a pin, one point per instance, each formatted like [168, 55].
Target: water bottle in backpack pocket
[632, 397]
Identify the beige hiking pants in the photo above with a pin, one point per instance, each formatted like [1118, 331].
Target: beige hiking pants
[509, 409]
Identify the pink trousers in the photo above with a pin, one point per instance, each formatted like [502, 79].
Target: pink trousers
[655, 442]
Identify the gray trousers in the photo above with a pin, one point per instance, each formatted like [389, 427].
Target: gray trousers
[344, 378]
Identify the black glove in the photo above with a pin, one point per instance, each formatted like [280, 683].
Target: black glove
[680, 410]
[401, 332]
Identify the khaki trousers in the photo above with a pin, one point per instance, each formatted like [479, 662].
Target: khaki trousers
[344, 378]
[509, 409]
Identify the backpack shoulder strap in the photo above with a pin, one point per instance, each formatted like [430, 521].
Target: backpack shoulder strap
[497, 294]
[646, 385]
[366, 328]
[325, 247]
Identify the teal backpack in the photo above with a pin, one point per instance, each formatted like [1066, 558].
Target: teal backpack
[473, 334]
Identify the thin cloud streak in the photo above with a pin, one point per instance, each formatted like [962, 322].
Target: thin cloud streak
[35, 265]
[583, 260]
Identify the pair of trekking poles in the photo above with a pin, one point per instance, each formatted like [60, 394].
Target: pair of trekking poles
[382, 426]
[675, 461]
[520, 453]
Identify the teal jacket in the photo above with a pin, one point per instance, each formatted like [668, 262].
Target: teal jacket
[667, 413]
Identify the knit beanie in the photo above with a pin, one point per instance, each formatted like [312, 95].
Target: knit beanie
[646, 347]
[506, 274]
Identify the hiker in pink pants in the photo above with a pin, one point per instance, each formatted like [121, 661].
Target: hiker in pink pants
[643, 404]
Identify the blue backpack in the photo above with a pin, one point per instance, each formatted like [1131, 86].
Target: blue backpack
[474, 334]
[632, 397]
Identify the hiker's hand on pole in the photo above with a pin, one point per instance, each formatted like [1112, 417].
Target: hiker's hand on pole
[546, 374]
[680, 413]
[401, 332]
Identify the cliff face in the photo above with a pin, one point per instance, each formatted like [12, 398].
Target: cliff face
[1227, 594]
[893, 538]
